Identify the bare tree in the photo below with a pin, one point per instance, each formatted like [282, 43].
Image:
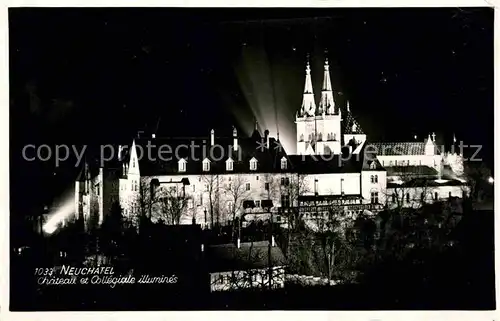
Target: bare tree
[331, 227]
[293, 188]
[212, 184]
[173, 204]
[257, 277]
[476, 175]
[235, 191]
[156, 204]
[408, 191]
[140, 203]
[271, 186]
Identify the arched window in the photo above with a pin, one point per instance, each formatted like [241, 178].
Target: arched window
[320, 137]
[334, 137]
[328, 136]
[301, 139]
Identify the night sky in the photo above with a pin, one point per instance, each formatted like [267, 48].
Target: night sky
[89, 76]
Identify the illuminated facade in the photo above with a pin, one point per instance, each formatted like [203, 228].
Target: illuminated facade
[231, 176]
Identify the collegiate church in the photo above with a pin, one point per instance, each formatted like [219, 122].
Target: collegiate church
[237, 177]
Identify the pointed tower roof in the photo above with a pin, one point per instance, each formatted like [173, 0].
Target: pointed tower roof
[256, 136]
[327, 104]
[84, 173]
[308, 105]
[351, 125]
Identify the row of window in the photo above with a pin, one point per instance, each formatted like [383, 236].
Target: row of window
[403, 163]
[229, 164]
[318, 137]
[249, 277]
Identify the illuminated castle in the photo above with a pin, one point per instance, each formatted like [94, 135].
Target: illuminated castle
[250, 177]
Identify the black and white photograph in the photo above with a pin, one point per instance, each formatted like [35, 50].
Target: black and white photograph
[196, 159]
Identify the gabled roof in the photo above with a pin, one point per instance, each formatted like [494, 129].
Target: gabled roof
[420, 170]
[250, 255]
[369, 159]
[349, 121]
[197, 149]
[324, 164]
[399, 148]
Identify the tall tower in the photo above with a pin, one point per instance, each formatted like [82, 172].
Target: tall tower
[318, 129]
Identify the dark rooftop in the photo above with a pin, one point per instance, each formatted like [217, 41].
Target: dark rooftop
[250, 255]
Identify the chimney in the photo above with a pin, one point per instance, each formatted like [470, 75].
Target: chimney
[212, 137]
[273, 244]
[120, 151]
[266, 137]
[238, 243]
[235, 139]
[203, 247]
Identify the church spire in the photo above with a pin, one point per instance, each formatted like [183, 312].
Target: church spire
[327, 104]
[308, 105]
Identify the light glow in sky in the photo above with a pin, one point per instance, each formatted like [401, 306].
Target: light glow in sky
[59, 215]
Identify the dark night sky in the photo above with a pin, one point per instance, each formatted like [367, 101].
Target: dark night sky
[92, 75]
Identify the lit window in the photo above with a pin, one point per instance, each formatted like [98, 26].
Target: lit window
[229, 164]
[206, 165]
[283, 163]
[285, 201]
[253, 164]
[374, 197]
[182, 165]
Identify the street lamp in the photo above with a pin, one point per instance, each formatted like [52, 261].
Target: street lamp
[491, 180]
